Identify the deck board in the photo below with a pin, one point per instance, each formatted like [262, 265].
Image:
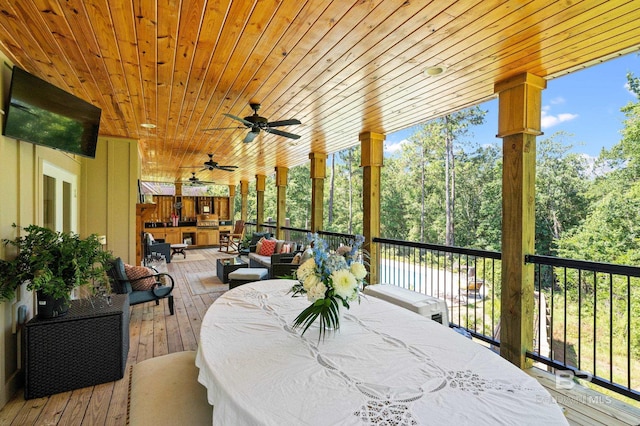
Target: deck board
[153, 332]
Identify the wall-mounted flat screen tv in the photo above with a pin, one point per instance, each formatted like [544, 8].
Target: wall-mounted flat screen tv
[43, 114]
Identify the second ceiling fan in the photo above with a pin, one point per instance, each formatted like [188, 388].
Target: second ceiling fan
[257, 123]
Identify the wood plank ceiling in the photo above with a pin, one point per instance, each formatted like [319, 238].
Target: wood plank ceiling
[340, 67]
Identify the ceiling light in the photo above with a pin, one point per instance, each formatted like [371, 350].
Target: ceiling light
[148, 125]
[434, 71]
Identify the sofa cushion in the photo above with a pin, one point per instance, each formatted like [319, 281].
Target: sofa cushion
[255, 260]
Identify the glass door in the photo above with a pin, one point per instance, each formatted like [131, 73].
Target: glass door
[59, 193]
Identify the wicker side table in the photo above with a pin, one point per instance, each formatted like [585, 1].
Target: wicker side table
[86, 347]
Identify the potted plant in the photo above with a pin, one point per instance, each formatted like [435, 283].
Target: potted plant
[53, 264]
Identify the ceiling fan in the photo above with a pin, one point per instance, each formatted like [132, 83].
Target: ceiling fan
[211, 165]
[257, 123]
[193, 180]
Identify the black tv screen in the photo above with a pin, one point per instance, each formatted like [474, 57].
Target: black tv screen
[41, 113]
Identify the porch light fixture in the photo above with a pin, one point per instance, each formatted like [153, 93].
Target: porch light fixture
[434, 71]
[148, 125]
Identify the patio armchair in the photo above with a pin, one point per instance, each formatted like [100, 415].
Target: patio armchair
[155, 249]
[161, 289]
[230, 243]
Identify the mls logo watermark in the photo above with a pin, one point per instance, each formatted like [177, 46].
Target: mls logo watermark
[566, 379]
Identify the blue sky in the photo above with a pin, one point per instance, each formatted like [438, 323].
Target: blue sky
[585, 104]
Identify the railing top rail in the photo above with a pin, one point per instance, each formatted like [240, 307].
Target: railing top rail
[438, 247]
[336, 234]
[584, 265]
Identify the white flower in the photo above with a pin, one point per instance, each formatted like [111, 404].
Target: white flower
[344, 283]
[316, 291]
[310, 281]
[308, 267]
[358, 270]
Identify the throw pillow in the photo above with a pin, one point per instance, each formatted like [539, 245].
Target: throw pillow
[135, 272]
[268, 247]
[279, 244]
[286, 248]
[259, 245]
[296, 259]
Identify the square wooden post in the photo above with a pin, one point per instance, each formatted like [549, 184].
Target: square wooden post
[281, 208]
[232, 201]
[318, 175]
[244, 193]
[518, 124]
[371, 146]
[260, 186]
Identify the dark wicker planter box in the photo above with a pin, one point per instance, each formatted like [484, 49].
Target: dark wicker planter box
[86, 347]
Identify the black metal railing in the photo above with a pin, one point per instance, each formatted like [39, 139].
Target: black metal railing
[585, 313]
[588, 312]
[467, 279]
[302, 236]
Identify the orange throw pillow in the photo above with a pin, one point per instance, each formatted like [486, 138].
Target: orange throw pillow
[268, 247]
[135, 272]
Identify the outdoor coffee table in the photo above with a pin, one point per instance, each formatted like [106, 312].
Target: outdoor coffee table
[178, 249]
[225, 266]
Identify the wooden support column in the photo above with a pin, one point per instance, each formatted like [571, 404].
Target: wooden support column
[518, 125]
[260, 186]
[232, 202]
[318, 174]
[371, 146]
[244, 193]
[281, 209]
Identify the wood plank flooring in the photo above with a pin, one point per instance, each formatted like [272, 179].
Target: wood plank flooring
[153, 332]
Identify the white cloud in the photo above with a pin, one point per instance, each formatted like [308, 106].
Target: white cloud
[549, 120]
[394, 146]
[557, 100]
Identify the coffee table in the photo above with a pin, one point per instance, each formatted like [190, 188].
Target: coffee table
[226, 266]
[178, 249]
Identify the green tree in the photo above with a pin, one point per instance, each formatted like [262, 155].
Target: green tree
[561, 187]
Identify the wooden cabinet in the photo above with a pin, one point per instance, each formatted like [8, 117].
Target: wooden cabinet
[208, 237]
[189, 235]
[169, 235]
[221, 206]
[172, 236]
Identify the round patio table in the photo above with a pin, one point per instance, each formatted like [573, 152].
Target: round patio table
[386, 365]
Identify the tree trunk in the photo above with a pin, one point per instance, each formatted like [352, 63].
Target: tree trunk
[331, 188]
[448, 184]
[350, 187]
[422, 192]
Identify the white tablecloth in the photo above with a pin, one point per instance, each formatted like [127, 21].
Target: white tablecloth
[386, 366]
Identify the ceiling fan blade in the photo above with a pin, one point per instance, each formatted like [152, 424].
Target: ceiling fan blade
[226, 169]
[250, 137]
[283, 123]
[281, 133]
[223, 128]
[242, 120]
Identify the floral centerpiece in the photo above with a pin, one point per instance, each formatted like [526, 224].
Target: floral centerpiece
[330, 281]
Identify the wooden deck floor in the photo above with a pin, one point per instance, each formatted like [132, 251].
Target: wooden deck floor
[153, 333]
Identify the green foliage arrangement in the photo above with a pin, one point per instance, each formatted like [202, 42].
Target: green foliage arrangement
[53, 262]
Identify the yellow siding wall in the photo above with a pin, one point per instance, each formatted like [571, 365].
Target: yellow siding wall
[106, 200]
